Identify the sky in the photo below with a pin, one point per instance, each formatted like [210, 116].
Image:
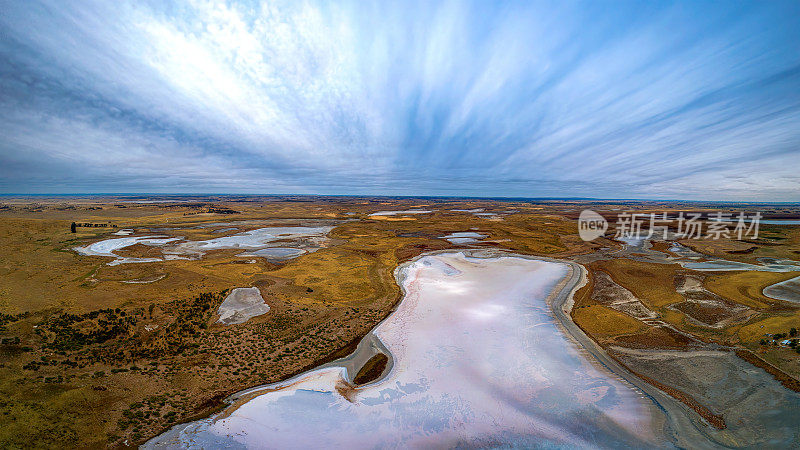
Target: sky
[604, 99]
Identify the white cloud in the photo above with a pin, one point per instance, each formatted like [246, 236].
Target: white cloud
[468, 98]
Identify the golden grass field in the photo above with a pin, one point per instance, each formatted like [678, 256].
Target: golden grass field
[171, 362]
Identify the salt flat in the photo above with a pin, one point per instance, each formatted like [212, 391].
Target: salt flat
[463, 237]
[396, 213]
[254, 239]
[109, 246]
[241, 305]
[478, 359]
[788, 290]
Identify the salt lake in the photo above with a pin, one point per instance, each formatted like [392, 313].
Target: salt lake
[478, 360]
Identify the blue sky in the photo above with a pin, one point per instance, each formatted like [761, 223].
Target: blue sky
[638, 99]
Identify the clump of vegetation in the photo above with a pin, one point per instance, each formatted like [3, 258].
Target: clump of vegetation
[6, 319]
[220, 210]
[190, 320]
[74, 331]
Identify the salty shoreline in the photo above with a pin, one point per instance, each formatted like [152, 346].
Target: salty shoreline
[683, 429]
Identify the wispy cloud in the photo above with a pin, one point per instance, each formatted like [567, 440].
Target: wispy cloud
[688, 99]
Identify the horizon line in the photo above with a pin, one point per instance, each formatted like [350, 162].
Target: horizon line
[465, 197]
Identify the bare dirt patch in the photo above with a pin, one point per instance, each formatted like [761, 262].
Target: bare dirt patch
[704, 306]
